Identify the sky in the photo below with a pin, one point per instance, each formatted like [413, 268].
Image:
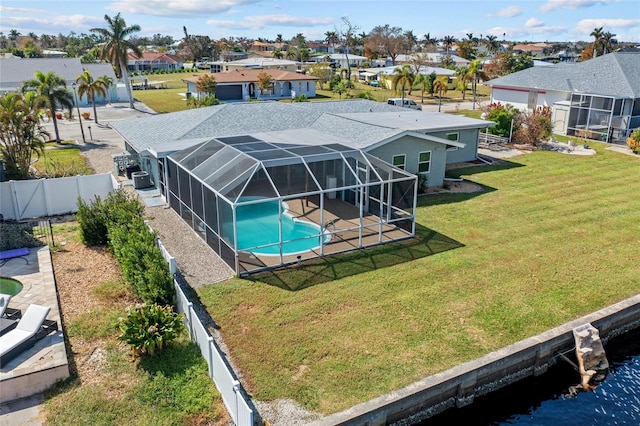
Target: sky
[513, 20]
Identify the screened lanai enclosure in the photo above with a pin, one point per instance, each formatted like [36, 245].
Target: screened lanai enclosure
[261, 205]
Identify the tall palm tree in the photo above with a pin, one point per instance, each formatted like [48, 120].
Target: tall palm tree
[597, 34]
[429, 41]
[331, 37]
[116, 47]
[402, 77]
[440, 86]
[52, 92]
[476, 74]
[608, 42]
[91, 87]
[463, 77]
[492, 44]
[411, 40]
[448, 42]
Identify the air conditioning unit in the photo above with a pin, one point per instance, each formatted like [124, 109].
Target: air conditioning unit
[141, 180]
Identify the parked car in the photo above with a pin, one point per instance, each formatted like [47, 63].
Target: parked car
[408, 103]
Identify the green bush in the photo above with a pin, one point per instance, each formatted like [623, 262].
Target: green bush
[502, 115]
[118, 222]
[149, 327]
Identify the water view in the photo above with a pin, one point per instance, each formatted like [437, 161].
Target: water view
[545, 401]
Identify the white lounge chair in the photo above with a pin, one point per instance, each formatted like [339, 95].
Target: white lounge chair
[4, 302]
[25, 335]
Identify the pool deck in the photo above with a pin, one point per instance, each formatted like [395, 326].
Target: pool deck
[38, 368]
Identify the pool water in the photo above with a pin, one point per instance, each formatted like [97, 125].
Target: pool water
[10, 286]
[257, 225]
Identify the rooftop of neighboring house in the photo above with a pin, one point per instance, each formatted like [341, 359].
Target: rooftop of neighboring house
[251, 75]
[155, 57]
[355, 123]
[614, 74]
[261, 62]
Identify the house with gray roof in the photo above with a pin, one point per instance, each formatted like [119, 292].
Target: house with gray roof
[15, 71]
[267, 184]
[415, 141]
[596, 99]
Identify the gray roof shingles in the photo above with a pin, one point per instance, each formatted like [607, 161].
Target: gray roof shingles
[614, 74]
[360, 122]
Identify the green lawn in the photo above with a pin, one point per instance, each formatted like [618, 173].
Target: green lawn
[551, 238]
[61, 160]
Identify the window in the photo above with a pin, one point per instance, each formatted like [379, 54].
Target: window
[452, 137]
[399, 161]
[424, 162]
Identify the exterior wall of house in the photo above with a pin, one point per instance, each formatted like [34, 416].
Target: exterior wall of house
[282, 89]
[469, 137]
[278, 66]
[519, 98]
[411, 147]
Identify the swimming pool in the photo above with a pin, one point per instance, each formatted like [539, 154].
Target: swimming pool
[257, 226]
[10, 286]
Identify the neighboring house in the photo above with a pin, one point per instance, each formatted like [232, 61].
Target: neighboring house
[353, 160]
[151, 61]
[385, 74]
[15, 71]
[535, 49]
[260, 63]
[261, 46]
[395, 135]
[430, 57]
[595, 99]
[241, 85]
[341, 59]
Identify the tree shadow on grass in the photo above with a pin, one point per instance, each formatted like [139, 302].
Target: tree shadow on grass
[426, 243]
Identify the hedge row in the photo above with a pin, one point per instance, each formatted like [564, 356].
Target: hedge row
[118, 222]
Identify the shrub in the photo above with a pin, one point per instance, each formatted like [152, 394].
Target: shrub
[117, 222]
[366, 95]
[633, 141]
[502, 115]
[148, 328]
[531, 127]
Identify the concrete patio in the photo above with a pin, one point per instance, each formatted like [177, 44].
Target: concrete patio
[40, 367]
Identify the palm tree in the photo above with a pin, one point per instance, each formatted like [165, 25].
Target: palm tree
[448, 41]
[331, 37]
[492, 44]
[608, 41]
[411, 39]
[462, 75]
[116, 47]
[440, 86]
[91, 87]
[402, 77]
[429, 41]
[476, 73]
[52, 92]
[21, 134]
[597, 34]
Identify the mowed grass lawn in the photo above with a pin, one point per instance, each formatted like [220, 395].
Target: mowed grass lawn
[553, 237]
[170, 98]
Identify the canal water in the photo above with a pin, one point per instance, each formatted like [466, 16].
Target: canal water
[546, 401]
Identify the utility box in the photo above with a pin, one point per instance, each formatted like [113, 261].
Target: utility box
[141, 180]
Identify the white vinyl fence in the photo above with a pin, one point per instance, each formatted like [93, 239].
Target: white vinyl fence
[21, 199]
[223, 376]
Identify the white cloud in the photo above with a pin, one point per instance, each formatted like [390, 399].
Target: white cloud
[551, 5]
[586, 26]
[259, 22]
[79, 22]
[19, 10]
[509, 12]
[533, 23]
[177, 8]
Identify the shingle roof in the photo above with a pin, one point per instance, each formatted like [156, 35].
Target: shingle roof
[249, 75]
[615, 74]
[356, 123]
[14, 71]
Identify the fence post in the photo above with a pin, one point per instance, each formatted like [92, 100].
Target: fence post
[236, 391]
[190, 318]
[210, 342]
